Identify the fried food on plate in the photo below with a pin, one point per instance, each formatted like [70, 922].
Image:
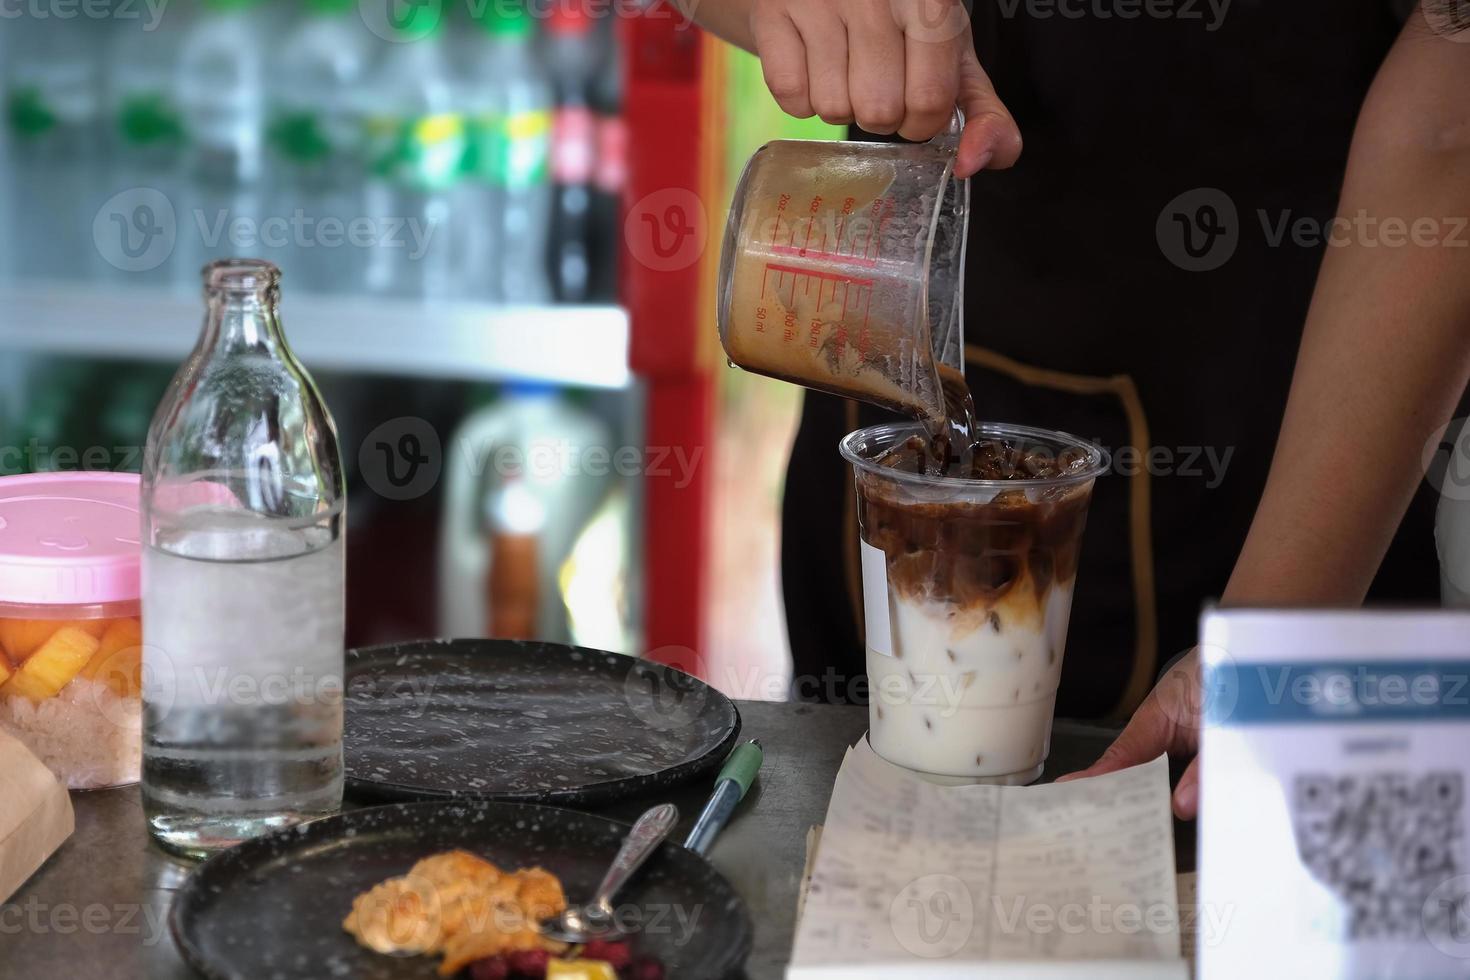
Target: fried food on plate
[459, 905]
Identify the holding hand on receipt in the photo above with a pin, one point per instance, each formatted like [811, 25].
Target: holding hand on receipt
[1168, 720]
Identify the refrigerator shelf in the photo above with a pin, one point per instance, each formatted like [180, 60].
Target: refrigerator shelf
[586, 346]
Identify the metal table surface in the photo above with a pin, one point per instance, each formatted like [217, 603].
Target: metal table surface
[99, 907]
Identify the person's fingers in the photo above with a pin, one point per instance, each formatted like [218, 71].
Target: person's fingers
[825, 38]
[991, 138]
[1186, 794]
[783, 63]
[875, 68]
[1148, 733]
[931, 86]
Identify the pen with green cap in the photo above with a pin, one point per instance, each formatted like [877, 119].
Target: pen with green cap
[735, 778]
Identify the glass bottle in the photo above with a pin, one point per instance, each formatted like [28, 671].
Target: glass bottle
[243, 588]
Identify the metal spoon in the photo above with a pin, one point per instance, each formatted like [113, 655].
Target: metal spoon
[595, 920]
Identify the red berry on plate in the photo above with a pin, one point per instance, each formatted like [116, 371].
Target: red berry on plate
[490, 968]
[528, 962]
[613, 952]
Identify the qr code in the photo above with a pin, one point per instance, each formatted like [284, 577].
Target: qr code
[1384, 842]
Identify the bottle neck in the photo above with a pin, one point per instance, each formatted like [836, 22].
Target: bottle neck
[243, 319]
[241, 297]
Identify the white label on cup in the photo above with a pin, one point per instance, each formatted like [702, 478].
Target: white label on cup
[875, 599]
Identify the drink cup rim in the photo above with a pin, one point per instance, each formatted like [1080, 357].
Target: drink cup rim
[895, 432]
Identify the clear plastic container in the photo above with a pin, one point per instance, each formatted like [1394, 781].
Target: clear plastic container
[967, 589]
[842, 269]
[70, 636]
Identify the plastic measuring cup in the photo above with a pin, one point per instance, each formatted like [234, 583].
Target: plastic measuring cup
[842, 268]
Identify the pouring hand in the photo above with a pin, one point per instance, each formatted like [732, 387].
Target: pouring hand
[1168, 720]
[888, 65]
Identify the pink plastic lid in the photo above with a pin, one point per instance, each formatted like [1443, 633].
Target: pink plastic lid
[69, 538]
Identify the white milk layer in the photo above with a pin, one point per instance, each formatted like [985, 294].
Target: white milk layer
[971, 700]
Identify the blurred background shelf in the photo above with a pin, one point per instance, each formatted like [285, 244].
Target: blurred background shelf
[583, 346]
[524, 134]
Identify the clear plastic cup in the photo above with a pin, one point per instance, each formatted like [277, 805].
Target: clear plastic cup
[967, 588]
[842, 268]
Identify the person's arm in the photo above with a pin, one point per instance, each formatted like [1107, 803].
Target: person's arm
[891, 66]
[1385, 355]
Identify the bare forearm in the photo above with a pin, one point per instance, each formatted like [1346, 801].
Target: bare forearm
[1386, 349]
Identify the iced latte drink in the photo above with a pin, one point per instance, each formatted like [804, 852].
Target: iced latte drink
[967, 586]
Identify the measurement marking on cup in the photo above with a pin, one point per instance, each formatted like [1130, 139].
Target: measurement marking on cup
[819, 274]
[844, 258]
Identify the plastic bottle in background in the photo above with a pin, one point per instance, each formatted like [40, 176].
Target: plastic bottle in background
[145, 127]
[575, 56]
[610, 174]
[595, 583]
[314, 129]
[415, 146]
[481, 192]
[515, 523]
[244, 536]
[1452, 523]
[53, 92]
[520, 161]
[219, 83]
[520, 483]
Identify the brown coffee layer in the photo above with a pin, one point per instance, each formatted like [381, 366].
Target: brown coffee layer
[975, 554]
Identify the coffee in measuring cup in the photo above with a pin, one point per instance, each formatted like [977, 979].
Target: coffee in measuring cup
[842, 269]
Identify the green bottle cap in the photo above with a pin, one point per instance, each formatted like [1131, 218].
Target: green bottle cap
[742, 765]
[149, 118]
[28, 113]
[412, 20]
[507, 18]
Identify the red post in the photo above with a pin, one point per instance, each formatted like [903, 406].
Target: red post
[667, 235]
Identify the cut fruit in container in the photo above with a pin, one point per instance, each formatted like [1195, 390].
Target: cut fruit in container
[22, 637]
[52, 666]
[118, 662]
[4, 671]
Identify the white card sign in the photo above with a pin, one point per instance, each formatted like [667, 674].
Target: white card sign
[1334, 839]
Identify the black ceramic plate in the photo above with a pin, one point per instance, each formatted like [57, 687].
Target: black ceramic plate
[525, 722]
[273, 907]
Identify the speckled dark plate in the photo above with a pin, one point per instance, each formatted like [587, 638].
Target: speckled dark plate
[526, 722]
[272, 908]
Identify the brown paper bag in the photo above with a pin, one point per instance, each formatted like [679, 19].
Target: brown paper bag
[35, 814]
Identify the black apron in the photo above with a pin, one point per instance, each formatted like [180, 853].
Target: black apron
[1086, 311]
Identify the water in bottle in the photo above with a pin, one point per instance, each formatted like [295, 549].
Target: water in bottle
[219, 84]
[243, 602]
[145, 135]
[52, 94]
[314, 130]
[518, 161]
[415, 146]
